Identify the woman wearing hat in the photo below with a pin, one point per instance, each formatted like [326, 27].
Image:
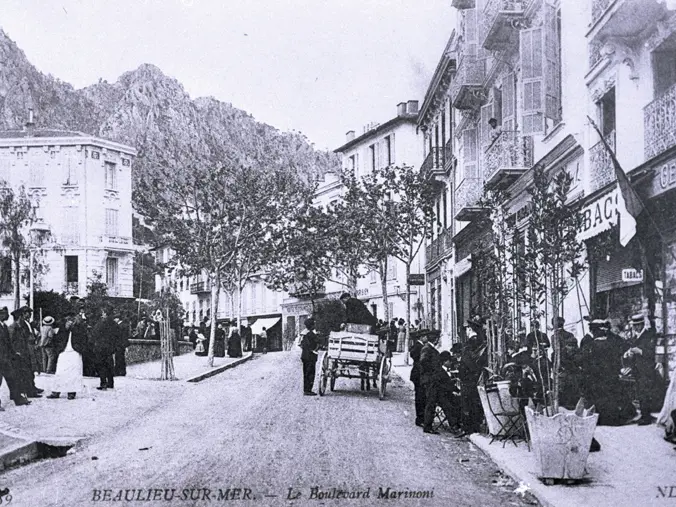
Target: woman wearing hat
[69, 343]
[46, 346]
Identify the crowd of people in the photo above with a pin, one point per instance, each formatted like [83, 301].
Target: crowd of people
[66, 350]
[229, 339]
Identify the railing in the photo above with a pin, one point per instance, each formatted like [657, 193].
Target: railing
[659, 120]
[598, 8]
[448, 155]
[198, 287]
[439, 246]
[508, 150]
[468, 193]
[470, 73]
[71, 288]
[595, 55]
[602, 170]
[463, 4]
[432, 162]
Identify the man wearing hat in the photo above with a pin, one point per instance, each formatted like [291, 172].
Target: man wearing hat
[566, 359]
[356, 311]
[9, 361]
[46, 345]
[415, 352]
[642, 354]
[309, 343]
[21, 337]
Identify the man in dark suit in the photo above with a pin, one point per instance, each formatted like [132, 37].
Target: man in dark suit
[309, 344]
[105, 337]
[9, 363]
[356, 311]
[641, 355]
[415, 378]
[436, 382]
[22, 339]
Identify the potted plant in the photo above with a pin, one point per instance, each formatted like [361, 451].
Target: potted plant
[560, 438]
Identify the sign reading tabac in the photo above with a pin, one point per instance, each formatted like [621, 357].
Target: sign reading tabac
[632, 275]
[599, 215]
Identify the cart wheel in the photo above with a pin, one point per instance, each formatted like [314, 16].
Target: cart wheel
[385, 366]
[324, 375]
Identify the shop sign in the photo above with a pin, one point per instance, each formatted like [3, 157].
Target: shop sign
[599, 216]
[632, 275]
[463, 266]
[665, 178]
[416, 279]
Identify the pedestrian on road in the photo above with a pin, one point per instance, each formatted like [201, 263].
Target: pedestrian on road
[401, 335]
[234, 343]
[70, 343]
[105, 338]
[309, 344]
[120, 349]
[247, 337]
[415, 379]
[47, 353]
[263, 339]
[437, 384]
[21, 336]
[10, 363]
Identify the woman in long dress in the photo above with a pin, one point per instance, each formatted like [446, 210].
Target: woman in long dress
[69, 344]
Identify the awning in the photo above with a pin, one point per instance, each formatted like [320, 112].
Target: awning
[257, 327]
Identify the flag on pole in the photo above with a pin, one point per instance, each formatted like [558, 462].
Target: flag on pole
[629, 204]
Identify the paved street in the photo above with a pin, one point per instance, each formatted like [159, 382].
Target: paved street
[250, 428]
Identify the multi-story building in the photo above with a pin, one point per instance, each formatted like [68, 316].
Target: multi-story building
[436, 121]
[81, 189]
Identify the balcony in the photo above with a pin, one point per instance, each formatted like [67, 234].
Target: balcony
[500, 23]
[433, 166]
[463, 4]
[623, 18]
[659, 120]
[199, 288]
[439, 247]
[508, 157]
[449, 158]
[71, 288]
[602, 170]
[466, 89]
[467, 197]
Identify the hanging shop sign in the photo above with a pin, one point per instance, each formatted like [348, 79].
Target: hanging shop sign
[416, 279]
[665, 178]
[599, 216]
[632, 275]
[463, 266]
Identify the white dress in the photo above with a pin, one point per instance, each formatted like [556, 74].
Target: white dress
[68, 376]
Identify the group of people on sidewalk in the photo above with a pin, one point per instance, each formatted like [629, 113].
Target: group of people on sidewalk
[237, 341]
[60, 350]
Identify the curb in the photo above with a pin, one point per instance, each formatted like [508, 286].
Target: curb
[535, 489]
[208, 374]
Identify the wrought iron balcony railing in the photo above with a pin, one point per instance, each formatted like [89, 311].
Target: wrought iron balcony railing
[509, 155]
[600, 161]
[439, 247]
[659, 120]
[469, 79]
[598, 8]
[433, 163]
[199, 287]
[467, 196]
[500, 23]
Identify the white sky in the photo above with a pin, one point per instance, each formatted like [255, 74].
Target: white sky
[321, 67]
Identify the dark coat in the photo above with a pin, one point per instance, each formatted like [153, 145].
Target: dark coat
[121, 338]
[431, 370]
[7, 353]
[21, 338]
[104, 337]
[234, 345]
[309, 344]
[357, 313]
[78, 340]
[415, 355]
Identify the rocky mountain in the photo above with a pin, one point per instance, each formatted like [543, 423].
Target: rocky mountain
[152, 112]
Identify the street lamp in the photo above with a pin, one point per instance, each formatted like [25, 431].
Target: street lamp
[37, 233]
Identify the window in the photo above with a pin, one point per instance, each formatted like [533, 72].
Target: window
[374, 310]
[352, 164]
[111, 176]
[389, 150]
[469, 153]
[606, 110]
[111, 275]
[391, 269]
[112, 223]
[72, 272]
[70, 171]
[373, 156]
[71, 224]
[664, 70]
[444, 200]
[5, 168]
[36, 172]
[509, 102]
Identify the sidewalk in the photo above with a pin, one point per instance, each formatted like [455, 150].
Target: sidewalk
[64, 422]
[634, 467]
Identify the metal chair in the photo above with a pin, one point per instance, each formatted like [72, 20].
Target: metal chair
[509, 418]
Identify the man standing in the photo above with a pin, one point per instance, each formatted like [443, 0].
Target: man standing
[566, 360]
[356, 311]
[309, 344]
[121, 344]
[264, 340]
[415, 378]
[21, 337]
[104, 339]
[10, 363]
[434, 379]
[642, 352]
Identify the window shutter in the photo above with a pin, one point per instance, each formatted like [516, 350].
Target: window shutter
[470, 26]
[552, 65]
[486, 114]
[469, 153]
[530, 48]
[508, 102]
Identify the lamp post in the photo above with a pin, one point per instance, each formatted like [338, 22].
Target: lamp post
[37, 233]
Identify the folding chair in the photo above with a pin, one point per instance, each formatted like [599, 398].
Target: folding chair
[439, 419]
[509, 418]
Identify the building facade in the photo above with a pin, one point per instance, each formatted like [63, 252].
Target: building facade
[81, 190]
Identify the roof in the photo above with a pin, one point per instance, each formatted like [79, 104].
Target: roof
[17, 134]
[40, 137]
[443, 68]
[403, 118]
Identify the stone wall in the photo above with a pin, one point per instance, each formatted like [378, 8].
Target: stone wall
[142, 351]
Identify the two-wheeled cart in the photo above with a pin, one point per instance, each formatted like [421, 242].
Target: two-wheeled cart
[358, 355]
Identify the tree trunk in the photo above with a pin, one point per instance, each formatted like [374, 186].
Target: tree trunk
[215, 286]
[382, 271]
[408, 309]
[239, 304]
[17, 280]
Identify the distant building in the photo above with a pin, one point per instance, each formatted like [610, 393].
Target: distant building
[81, 189]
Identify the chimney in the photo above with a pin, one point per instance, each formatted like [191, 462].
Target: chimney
[30, 124]
[401, 109]
[412, 107]
[349, 135]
